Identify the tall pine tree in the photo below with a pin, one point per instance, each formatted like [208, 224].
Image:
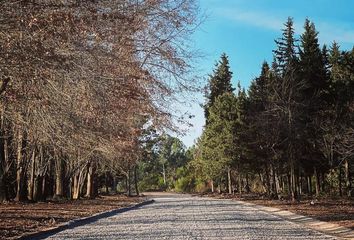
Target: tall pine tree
[285, 54]
[219, 83]
[312, 64]
[218, 139]
[314, 101]
[262, 126]
[285, 94]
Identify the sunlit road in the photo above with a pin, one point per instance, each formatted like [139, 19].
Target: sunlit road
[185, 217]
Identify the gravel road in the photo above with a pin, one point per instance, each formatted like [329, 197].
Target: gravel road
[186, 217]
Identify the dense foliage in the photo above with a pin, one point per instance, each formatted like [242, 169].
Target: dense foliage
[292, 133]
[164, 161]
[80, 81]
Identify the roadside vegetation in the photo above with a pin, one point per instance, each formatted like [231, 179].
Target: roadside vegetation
[286, 142]
[289, 136]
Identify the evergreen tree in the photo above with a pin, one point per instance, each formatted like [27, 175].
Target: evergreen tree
[263, 129]
[218, 139]
[258, 89]
[341, 129]
[334, 61]
[341, 73]
[294, 131]
[312, 64]
[285, 54]
[314, 101]
[338, 76]
[285, 87]
[241, 138]
[219, 83]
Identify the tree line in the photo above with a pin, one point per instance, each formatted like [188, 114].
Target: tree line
[291, 134]
[80, 82]
[164, 164]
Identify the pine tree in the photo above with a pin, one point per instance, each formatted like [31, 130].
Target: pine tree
[342, 88]
[296, 126]
[218, 139]
[241, 138]
[262, 126]
[285, 87]
[285, 54]
[219, 83]
[312, 64]
[314, 100]
[258, 89]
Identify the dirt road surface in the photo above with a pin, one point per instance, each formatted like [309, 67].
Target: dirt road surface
[174, 216]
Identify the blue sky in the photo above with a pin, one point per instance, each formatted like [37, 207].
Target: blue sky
[245, 30]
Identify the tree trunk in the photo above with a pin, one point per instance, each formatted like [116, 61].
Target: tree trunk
[129, 192]
[114, 184]
[347, 178]
[44, 187]
[3, 161]
[75, 189]
[2, 176]
[70, 187]
[2, 182]
[276, 185]
[59, 178]
[299, 186]
[248, 189]
[78, 180]
[106, 183]
[38, 190]
[317, 182]
[2, 185]
[44, 184]
[136, 180]
[82, 177]
[272, 180]
[19, 167]
[268, 184]
[6, 165]
[212, 186]
[309, 187]
[95, 185]
[323, 182]
[283, 183]
[164, 174]
[292, 181]
[229, 180]
[239, 184]
[89, 186]
[262, 181]
[126, 184]
[340, 181]
[280, 184]
[32, 178]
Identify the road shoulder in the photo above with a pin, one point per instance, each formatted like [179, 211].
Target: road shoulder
[81, 221]
[317, 225]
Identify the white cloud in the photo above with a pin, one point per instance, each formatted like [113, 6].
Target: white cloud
[329, 32]
[257, 19]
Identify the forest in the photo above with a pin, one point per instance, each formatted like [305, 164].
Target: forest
[290, 135]
[86, 96]
[81, 82]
